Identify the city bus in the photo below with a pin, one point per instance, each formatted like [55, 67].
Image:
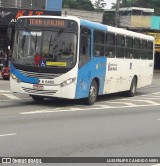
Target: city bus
[72, 58]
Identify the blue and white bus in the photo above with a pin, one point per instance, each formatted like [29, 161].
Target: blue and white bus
[68, 57]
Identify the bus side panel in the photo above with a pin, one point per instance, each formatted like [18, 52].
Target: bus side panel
[117, 75]
[96, 68]
[120, 72]
[144, 72]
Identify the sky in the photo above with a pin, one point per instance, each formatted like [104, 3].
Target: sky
[108, 2]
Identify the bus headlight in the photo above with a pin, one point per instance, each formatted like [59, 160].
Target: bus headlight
[67, 82]
[15, 78]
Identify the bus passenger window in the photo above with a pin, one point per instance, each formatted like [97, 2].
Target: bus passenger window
[149, 50]
[129, 48]
[110, 45]
[143, 49]
[136, 48]
[85, 46]
[120, 45]
[98, 43]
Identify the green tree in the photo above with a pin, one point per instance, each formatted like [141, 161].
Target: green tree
[99, 4]
[78, 4]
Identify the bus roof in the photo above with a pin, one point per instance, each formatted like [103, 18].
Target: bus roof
[98, 26]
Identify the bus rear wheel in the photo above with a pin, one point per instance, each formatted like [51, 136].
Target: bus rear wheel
[93, 91]
[133, 88]
[37, 98]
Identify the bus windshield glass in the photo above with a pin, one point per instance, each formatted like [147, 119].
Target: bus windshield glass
[52, 48]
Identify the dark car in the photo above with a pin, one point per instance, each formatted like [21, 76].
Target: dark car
[5, 73]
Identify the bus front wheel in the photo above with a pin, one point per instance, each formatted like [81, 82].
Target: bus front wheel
[92, 95]
[133, 87]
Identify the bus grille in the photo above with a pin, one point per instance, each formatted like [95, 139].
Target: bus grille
[39, 92]
[39, 75]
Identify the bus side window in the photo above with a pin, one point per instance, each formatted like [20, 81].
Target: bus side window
[110, 45]
[99, 43]
[120, 45]
[150, 50]
[143, 49]
[136, 50]
[129, 48]
[85, 46]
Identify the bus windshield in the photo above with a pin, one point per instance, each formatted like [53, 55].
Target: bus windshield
[45, 48]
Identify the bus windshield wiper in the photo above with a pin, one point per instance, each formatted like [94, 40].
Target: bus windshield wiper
[51, 43]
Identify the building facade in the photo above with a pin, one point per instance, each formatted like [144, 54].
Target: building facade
[51, 5]
[140, 20]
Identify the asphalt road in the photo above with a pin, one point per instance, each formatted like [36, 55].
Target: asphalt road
[116, 126]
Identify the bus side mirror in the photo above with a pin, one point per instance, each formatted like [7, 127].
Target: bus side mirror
[9, 34]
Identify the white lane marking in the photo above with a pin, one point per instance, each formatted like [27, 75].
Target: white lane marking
[105, 106]
[12, 96]
[152, 98]
[45, 111]
[147, 101]
[4, 135]
[16, 99]
[5, 100]
[126, 103]
[68, 109]
[5, 91]
[156, 93]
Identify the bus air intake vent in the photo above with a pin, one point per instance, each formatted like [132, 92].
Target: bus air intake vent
[39, 92]
[39, 75]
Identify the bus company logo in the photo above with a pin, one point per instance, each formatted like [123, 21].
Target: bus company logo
[112, 67]
[6, 160]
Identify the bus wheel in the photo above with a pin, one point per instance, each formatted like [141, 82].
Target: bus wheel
[133, 88]
[37, 98]
[93, 91]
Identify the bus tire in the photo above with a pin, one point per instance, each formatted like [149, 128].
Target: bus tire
[37, 98]
[133, 88]
[93, 92]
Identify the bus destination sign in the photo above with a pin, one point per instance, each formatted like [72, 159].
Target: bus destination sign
[46, 22]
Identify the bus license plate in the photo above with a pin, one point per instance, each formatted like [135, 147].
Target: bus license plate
[46, 82]
[38, 87]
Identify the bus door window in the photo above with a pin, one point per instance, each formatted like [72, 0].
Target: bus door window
[129, 48]
[120, 45]
[85, 46]
[110, 45]
[99, 43]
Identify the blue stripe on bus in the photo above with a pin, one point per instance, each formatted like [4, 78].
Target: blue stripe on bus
[96, 68]
[93, 25]
[22, 77]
